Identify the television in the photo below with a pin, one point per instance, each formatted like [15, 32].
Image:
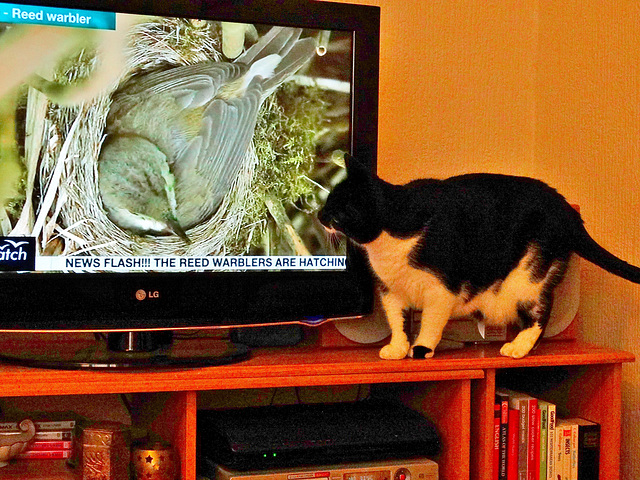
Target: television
[165, 162]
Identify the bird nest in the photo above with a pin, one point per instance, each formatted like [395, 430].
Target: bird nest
[69, 178]
[69, 215]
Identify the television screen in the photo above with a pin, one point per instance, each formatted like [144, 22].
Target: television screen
[164, 144]
[162, 164]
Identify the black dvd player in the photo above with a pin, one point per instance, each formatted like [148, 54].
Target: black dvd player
[312, 434]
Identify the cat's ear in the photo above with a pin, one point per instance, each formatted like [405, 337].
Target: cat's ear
[356, 168]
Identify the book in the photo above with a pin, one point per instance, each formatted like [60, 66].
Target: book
[502, 399]
[496, 441]
[54, 435]
[44, 454]
[40, 425]
[547, 433]
[544, 430]
[534, 448]
[564, 432]
[558, 453]
[512, 445]
[574, 451]
[588, 449]
[50, 445]
[551, 435]
[567, 452]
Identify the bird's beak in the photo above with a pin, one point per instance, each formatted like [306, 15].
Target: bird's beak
[178, 230]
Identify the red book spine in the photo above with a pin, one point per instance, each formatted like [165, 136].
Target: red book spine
[504, 431]
[513, 445]
[50, 445]
[46, 454]
[503, 400]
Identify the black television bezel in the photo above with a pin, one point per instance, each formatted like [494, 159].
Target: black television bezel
[107, 301]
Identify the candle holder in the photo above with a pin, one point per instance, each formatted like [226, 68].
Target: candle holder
[157, 461]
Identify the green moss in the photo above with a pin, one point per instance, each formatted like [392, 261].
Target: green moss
[285, 146]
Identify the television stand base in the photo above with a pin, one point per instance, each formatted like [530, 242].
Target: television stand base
[101, 355]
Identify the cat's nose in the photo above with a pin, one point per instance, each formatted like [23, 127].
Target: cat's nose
[327, 221]
[323, 217]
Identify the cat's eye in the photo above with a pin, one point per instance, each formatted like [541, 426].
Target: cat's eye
[351, 212]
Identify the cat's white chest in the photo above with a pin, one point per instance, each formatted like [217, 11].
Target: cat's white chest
[389, 258]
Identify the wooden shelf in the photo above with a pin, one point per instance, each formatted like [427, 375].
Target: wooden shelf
[304, 366]
[455, 389]
[39, 470]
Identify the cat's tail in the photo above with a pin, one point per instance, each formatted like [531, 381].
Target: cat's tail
[590, 250]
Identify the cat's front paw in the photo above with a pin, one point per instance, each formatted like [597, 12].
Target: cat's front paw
[395, 351]
[421, 352]
[523, 343]
[514, 349]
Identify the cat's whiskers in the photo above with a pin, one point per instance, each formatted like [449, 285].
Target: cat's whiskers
[334, 238]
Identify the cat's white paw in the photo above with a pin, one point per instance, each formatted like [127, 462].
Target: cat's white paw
[419, 351]
[394, 351]
[515, 349]
[523, 343]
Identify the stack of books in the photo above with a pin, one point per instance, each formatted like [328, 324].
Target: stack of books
[53, 439]
[530, 443]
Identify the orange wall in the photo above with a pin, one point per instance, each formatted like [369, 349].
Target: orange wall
[457, 88]
[530, 87]
[588, 146]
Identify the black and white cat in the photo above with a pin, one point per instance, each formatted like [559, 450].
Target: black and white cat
[483, 245]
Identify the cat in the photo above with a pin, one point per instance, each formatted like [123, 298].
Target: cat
[487, 246]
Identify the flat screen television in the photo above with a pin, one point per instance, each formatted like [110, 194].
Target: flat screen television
[166, 162]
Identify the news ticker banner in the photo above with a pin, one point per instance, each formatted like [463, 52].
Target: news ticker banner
[60, 17]
[19, 254]
[183, 264]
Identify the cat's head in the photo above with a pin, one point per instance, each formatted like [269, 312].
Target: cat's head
[353, 206]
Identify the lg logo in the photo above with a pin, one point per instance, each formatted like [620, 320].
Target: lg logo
[143, 294]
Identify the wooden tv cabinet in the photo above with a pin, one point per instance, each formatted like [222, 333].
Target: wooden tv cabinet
[455, 390]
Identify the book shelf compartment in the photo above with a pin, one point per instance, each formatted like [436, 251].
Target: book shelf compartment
[590, 392]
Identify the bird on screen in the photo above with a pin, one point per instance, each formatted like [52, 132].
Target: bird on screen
[177, 138]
